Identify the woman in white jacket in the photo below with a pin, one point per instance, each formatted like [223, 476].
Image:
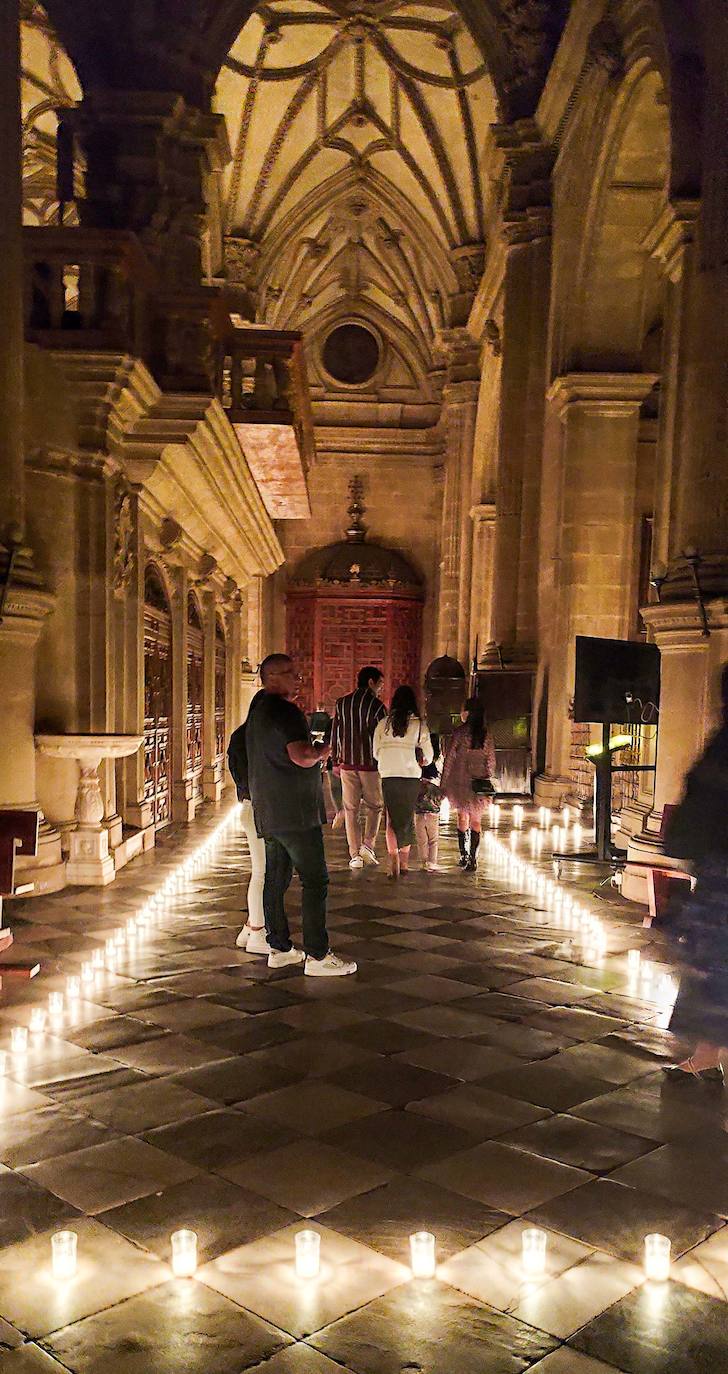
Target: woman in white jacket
[401, 746]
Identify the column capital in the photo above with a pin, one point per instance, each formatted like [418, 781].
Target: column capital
[484, 513]
[677, 624]
[671, 234]
[610, 394]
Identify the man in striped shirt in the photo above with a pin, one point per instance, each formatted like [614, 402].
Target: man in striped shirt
[355, 719]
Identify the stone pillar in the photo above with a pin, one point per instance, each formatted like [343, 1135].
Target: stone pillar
[183, 804]
[24, 604]
[459, 409]
[211, 787]
[597, 544]
[481, 583]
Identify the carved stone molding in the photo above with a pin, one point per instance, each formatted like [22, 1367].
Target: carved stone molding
[124, 556]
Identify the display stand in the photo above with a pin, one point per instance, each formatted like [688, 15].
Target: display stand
[604, 852]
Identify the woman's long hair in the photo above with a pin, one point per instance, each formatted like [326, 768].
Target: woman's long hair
[403, 708]
[475, 722]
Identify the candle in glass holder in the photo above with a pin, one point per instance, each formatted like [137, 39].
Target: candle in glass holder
[73, 988]
[422, 1252]
[97, 958]
[19, 1040]
[308, 1254]
[184, 1254]
[518, 816]
[565, 816]
[633, 960]
[64, 1251]
[3, 1061]
[55, 1003]
[534, 1252]
[657, 1257]
[38, 1020]
[88, 972]
[120, 937]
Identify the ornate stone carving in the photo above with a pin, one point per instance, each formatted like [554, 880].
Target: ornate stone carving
[170, 533]
[604, 47]
[492, 336]
[124, 535]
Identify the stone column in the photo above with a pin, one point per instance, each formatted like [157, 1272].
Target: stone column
[597, 544]
[183, 805]
[459, 409]
[481, 584]
[210, 767]
[25, 604]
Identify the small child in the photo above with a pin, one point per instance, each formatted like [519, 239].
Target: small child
[427, 814]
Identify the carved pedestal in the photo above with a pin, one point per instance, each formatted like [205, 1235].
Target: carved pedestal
[89, 863]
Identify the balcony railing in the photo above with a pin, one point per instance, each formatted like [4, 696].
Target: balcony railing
[87, 288]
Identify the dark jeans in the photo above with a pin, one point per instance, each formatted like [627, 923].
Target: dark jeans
[302, 850]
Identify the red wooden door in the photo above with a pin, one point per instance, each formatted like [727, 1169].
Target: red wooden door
[331, 637]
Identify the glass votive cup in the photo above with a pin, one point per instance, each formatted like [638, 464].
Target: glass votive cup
[533, 1256]
[19, 1040]
[308, 1254]
[422, 1255]
[657, 1257]
[3, 1062]
[73, 988]
[55, 1003]
[97, 958]
[64, 1254]
[110, 949]
[184, 1254]
[88, 972]
[37, 1020]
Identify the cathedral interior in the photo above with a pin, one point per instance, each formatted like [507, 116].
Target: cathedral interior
[368, 331]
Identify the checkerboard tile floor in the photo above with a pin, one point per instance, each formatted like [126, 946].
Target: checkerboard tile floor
[478, 1075]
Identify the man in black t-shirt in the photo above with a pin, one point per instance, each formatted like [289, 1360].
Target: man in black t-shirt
[284, 777]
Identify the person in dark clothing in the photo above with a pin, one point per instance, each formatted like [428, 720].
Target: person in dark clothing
[252, 937]
[698, 831]
[284, 775]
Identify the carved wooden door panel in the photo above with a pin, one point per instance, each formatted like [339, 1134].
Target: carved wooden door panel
[157, 703]
[405, 645]
[349, 634]
[195, 696]
[220, 690]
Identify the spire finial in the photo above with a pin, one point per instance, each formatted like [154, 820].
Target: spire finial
[357, 530]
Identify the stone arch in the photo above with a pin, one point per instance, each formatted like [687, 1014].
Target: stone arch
[49, 82]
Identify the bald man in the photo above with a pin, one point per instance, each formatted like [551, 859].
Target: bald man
[284, 775]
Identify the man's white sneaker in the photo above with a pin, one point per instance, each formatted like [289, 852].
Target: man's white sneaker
[356, 862]
[331, 966]
[367, 854]
[279, 958]
[257, 940]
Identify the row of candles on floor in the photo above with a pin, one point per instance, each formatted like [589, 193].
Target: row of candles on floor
[307, 1255]
[104, 959]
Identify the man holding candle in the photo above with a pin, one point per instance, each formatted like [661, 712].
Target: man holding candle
[284, 776]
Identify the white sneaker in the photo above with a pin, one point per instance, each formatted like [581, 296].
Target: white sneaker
[257, 940]
[356, 862]
[367, 854]
[331, 966]
[279, 958]
[432, 868]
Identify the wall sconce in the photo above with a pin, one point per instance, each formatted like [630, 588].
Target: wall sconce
[659, 576]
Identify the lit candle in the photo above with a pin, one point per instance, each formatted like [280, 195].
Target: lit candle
[633, 960]
[576, 832]
[120, 937]
[88, 972]
[38, 1020]
[518, 816]
[110, 949]
[422, 1251]
[184, 1254]
[3, 1061]
[73, 988]
[565, 816]
[308, 1254]
[534, 1252]
[19, 1040]
[513, 839]
[64, 1250]
[657, 1257]
[55, 1003]
[97, 958]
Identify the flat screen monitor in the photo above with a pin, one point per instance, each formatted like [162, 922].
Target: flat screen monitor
[617, 681]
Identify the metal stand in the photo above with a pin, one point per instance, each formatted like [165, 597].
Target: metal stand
[605, 852]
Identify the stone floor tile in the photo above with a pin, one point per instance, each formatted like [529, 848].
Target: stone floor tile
[246, 1034]
[570, 1140]
[547, 1085]
[443, 1020]
[300, 1358]
[412, 1326]
[111, 1033]
[316, 1017]
[231, 1080]
[182, 1327]
[706, 1267]
[384, 1218]
[399, 1140]
[306, 1176]
[29, 1359]
[26, 1208]
[527, 1042]
[262, 1277]
[313, 1056]
[104, 1176]
[15, 1099]
[610, 1216]
[659, 1110]
[109, 1271]
[660, 1327]
[492, 1269]
[505, 1178]
[605, 1062]
[52, 1130]
[219, 1140]
[572, 1299]
[477, 1110]
[433, 988]
[386, 1037]
[568, 1361]
[222, 1214]
[169, 1054]
[10, 1337]
[311, 1107]
[686, 1173]
[143, 1106]
[187, 1014]
[460, 1059]
[390, 1081]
